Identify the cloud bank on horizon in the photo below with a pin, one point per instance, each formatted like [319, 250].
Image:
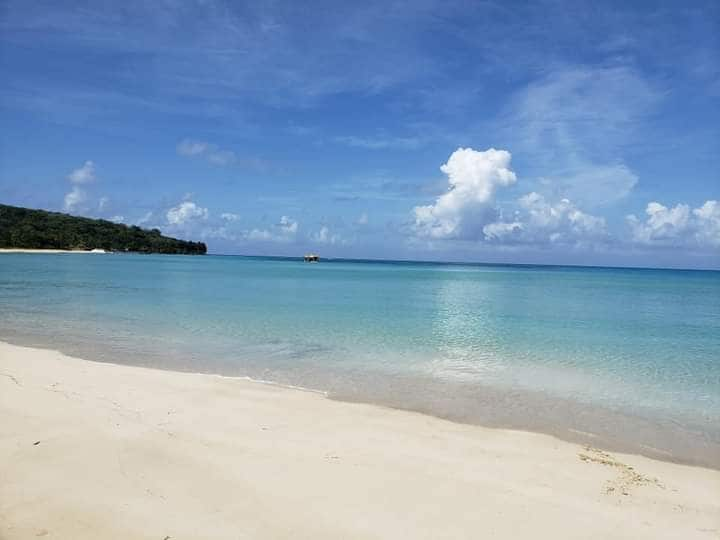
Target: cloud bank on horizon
[583, 133]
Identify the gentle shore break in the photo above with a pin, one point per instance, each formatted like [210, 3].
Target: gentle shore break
[92, 450]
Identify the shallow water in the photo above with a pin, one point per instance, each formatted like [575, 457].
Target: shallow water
[628, 357]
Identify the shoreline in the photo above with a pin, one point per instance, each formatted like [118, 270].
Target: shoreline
[153, 453]
[562, 418]
[51, 251]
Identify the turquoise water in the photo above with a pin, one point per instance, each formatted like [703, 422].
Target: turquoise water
[629, 357]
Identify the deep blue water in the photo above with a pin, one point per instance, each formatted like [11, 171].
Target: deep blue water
[558, 348]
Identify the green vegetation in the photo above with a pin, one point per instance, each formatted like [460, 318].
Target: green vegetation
[39, 229]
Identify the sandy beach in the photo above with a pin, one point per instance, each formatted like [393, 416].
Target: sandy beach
[28, 250]
[92, 450]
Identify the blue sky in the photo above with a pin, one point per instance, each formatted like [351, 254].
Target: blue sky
[544, 132]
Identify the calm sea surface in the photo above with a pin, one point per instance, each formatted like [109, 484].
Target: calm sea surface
[627, 358]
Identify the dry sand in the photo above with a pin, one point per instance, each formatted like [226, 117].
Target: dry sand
[101, 451]
[29, 250]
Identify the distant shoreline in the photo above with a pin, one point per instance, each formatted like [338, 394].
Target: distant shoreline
[27, 230]
[34, 250]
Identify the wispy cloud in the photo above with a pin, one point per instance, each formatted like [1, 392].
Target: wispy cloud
[210, 152]
[222, 157]
[284, 231]
[576, 125]
[231, 49]
[381, 142]
[74, 199]
[77, 196]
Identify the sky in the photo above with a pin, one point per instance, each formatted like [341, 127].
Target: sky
[523, 132]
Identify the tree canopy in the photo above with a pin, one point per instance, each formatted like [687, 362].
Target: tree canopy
[40, 229]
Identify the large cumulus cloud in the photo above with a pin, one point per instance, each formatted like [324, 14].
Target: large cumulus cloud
[473, 179]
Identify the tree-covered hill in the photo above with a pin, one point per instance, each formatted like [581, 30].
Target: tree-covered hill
[39, 229]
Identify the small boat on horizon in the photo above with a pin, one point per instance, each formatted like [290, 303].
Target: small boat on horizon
[311, 257]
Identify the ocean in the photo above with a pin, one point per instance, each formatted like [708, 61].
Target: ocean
[627, 359]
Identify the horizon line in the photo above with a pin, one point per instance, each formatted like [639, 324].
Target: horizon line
[465, 263]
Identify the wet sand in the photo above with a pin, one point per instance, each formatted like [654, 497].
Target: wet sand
[92, 450]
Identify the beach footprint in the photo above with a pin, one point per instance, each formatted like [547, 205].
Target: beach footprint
[627, 477]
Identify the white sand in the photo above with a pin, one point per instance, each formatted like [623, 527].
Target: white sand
[27, 250]
[99, 451]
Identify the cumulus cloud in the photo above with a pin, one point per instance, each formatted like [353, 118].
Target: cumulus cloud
[229, 216]
[210, 152]
[499, 230]
[287, 225]
[218, 233]
[678, 225]
[261, 234]
[538, 221]
[77, 196]
[74, 199]
[473, 179]
[83, 175]
[707, 219]
[326, 236]
[185, 212]
[283, 231]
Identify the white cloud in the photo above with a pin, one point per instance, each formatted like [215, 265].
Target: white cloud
[77, 196]
[707, 218]
[576, 124]
[325, 236]
[362, 219]
[261, 234]
[220, 233]
[184, 212]
[577, 108]
[191, 148]
[380, 142]
[118, 219]
[287, 225]
[595, 185]
[83, 175]
[229, 216]
[284, 231]
[145, 219]
[473, 178]
[545, 215]
[539, 222]
[210, 152]
[500, 229]
[102, 203]
[678, 226]
[221, 157]
[74, 198]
